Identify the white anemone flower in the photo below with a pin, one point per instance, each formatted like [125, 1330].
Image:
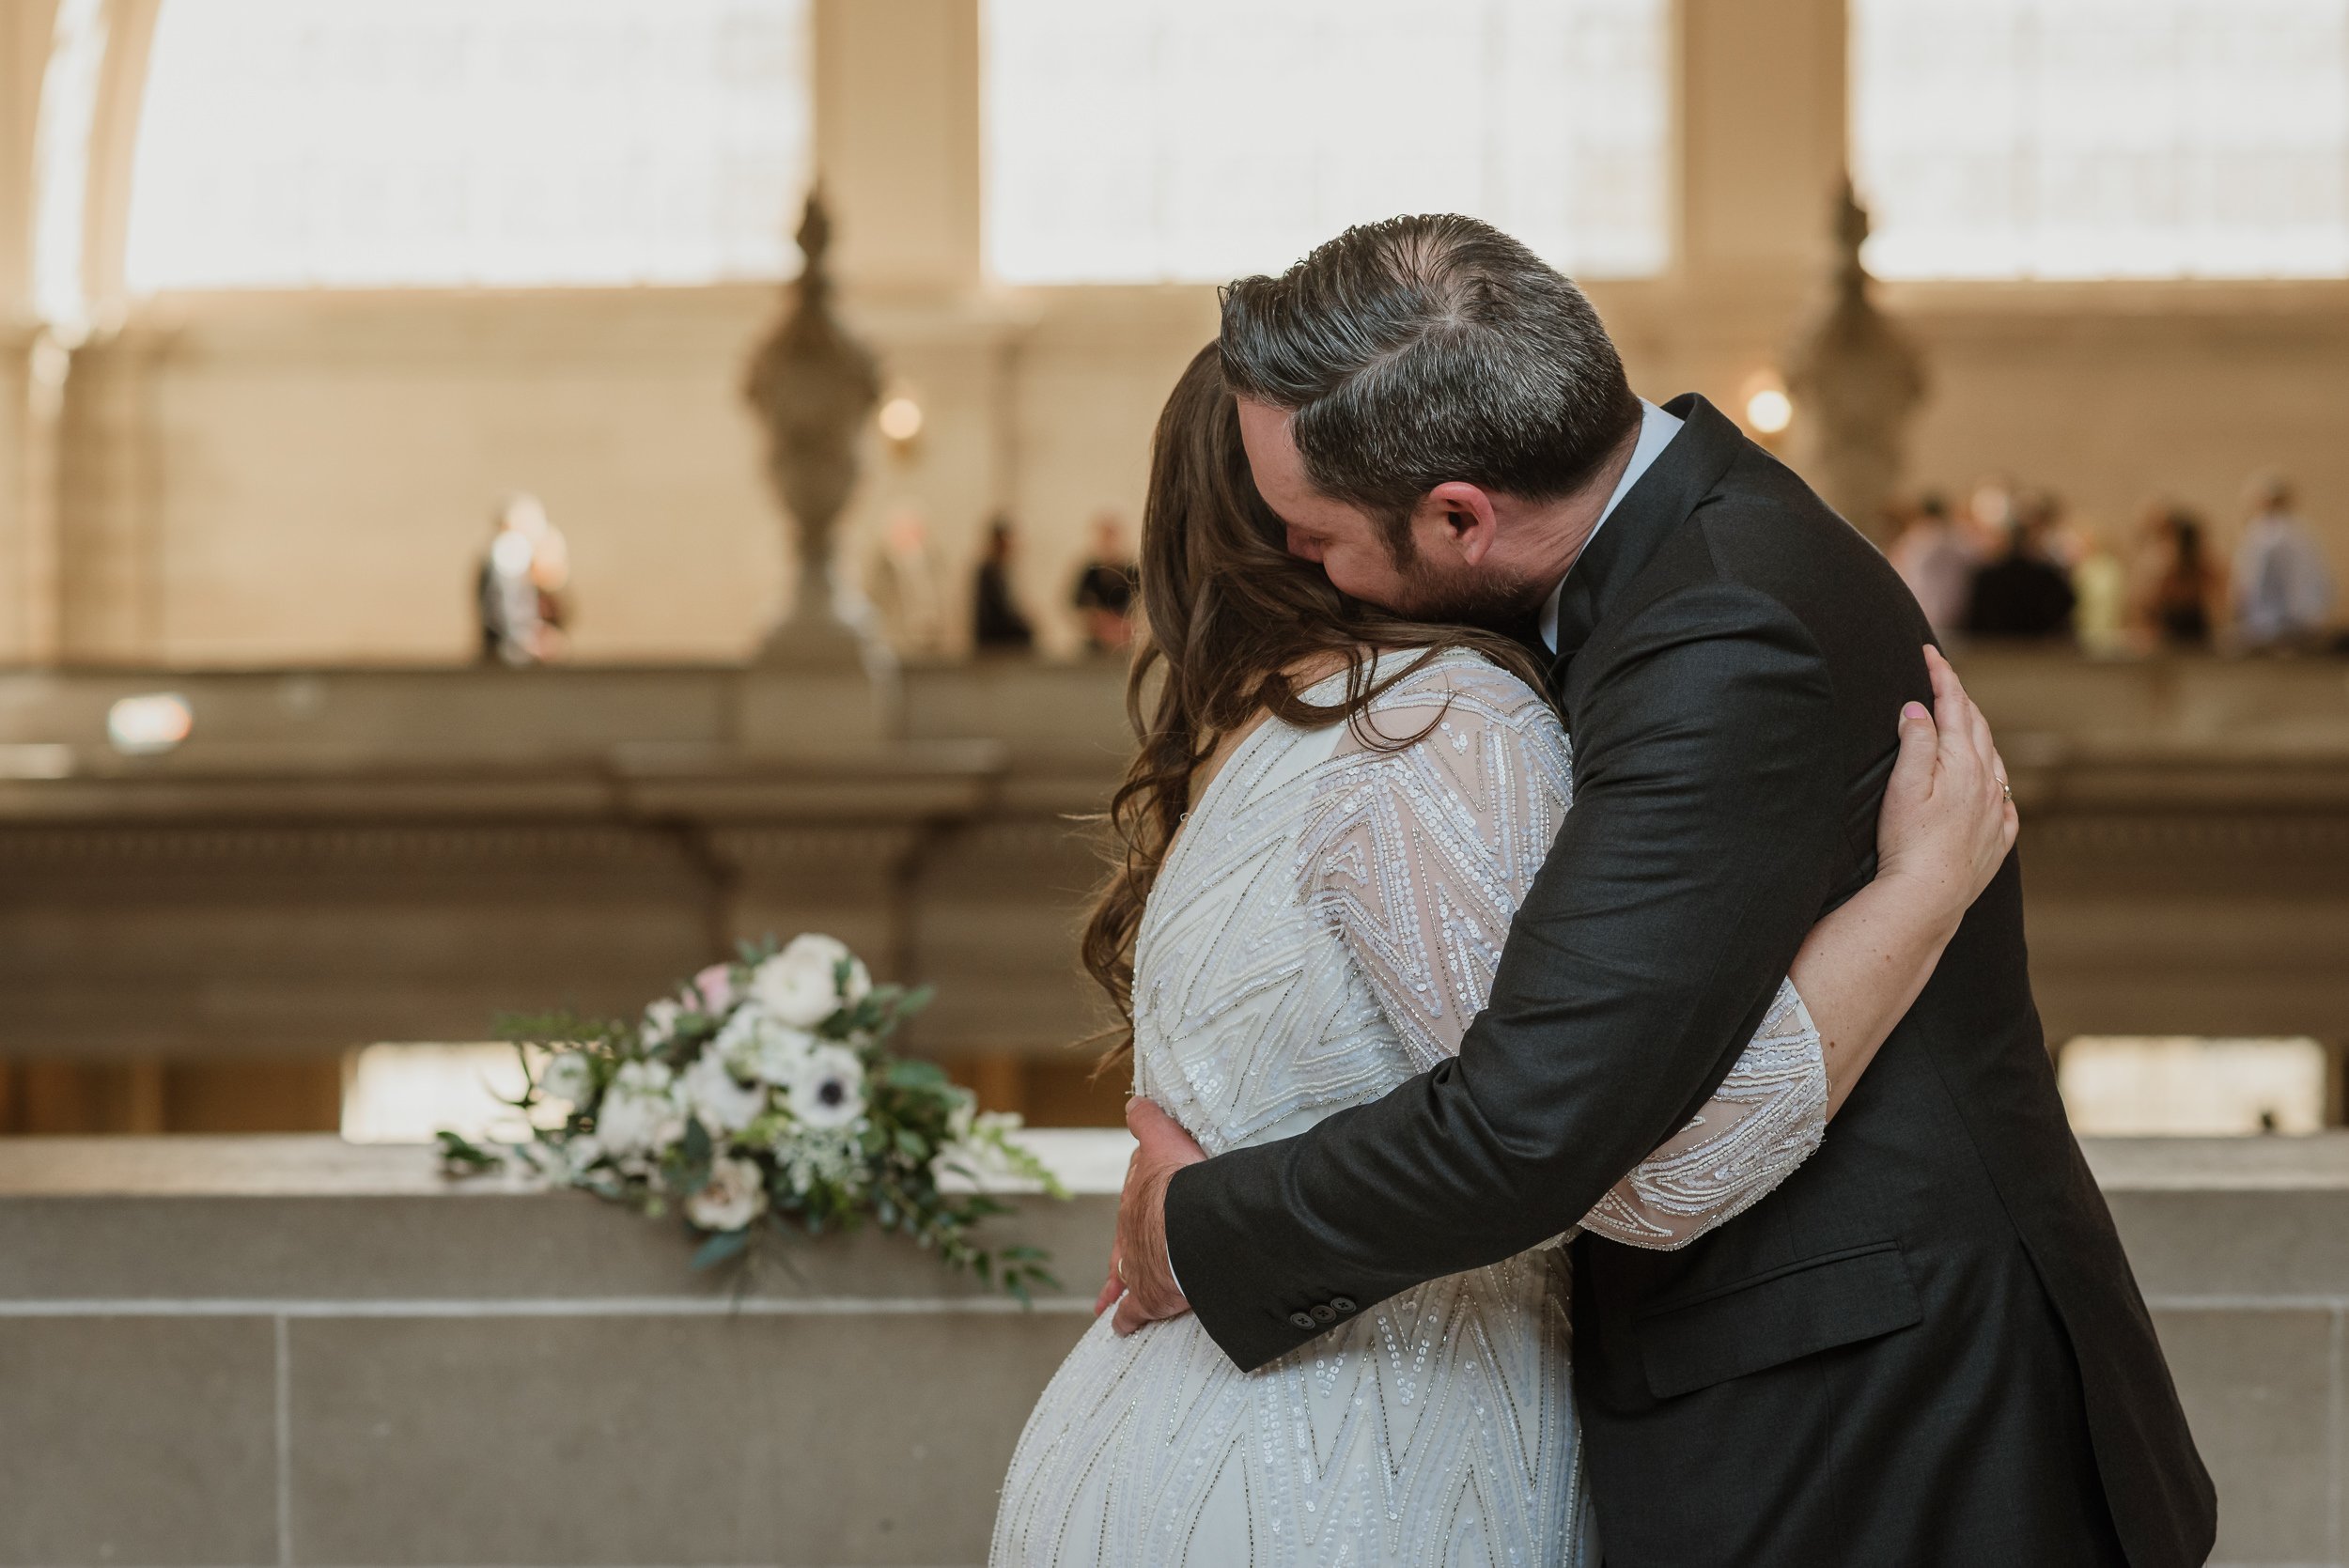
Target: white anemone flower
[828, 1091]
[722, 1104]
[735, 1196]
[800, 986]
[757, 1045]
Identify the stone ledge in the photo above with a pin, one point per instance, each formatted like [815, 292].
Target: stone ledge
[94, 1226]
[277, 1219]
[291, 1350]
[1087, 1161]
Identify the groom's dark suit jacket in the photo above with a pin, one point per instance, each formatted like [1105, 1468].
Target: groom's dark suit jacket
[1926, 1346]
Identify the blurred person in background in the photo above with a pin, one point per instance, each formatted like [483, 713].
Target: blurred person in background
[2181, 588]
[2025, 593]
[1936, 561]
[550, 576]
[2284, 595]
[1988, 516]
[506, 596]
[997, 623]
[902, 583]
[1104, 593]
[2100, 587]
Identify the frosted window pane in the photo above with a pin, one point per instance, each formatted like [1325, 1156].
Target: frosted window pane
[2103, 138]
[68, 100]
[405, 1094]
[444, 141]
[1197, 140]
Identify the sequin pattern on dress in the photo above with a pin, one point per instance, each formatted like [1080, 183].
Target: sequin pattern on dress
[1325, 928]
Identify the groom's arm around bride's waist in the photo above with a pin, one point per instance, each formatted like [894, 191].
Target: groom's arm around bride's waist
[1705, 838]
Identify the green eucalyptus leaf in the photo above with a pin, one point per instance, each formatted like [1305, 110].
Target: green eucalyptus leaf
[912, 1072]
[460, 1156]
[719, 1246]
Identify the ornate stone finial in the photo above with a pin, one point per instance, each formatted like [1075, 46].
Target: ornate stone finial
[812, 387]
[1856, 381]
[1851, 232]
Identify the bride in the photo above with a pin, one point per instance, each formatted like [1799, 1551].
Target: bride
[1333, 814]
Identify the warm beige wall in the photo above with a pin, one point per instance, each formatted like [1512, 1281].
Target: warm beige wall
[264, 478]
[312, 479]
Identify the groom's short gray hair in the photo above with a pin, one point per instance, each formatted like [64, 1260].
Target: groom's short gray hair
[1425, 349]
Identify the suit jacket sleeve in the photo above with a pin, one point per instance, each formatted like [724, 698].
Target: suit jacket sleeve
[1703, 841]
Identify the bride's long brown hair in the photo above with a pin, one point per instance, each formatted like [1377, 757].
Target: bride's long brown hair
[1227, 613]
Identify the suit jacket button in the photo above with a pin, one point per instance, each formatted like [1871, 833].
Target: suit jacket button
[1343, 1303]
[1325, 1313]
[1302, 1320]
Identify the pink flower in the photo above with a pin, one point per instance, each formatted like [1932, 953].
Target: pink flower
[715, 985]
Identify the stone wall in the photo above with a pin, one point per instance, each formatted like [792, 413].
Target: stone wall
[338, 857]
[290, 1352]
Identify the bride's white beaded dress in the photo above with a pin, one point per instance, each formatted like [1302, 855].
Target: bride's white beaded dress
[1325, 926]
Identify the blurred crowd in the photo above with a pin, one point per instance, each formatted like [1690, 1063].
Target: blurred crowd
[902, 581]
[2012, 564]
[2009, 563]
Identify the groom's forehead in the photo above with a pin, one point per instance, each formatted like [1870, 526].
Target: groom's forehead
[1265, 430]
[1279, 468]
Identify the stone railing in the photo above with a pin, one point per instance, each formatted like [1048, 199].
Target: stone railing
[293, 1351]
[340, 856]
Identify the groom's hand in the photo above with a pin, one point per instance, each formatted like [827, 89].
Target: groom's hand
[1138, 1264]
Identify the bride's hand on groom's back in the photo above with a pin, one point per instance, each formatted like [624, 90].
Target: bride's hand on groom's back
[1948, 819]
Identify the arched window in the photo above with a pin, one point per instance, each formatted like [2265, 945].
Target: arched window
[287, 142]
[2103, 138]
[1151, 140]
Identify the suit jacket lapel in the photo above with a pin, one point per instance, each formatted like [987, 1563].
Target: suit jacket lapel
[1683, 475]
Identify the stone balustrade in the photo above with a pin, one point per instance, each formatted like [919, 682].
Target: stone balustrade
[293, 1351]
[336, 857]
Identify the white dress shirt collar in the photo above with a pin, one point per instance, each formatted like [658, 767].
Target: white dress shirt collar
[1657, 430]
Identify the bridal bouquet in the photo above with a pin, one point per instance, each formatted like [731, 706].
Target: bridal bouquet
[762, 1097]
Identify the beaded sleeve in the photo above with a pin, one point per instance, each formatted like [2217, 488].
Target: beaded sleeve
[1425, 837]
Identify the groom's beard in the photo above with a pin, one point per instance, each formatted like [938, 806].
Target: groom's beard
[1495, 600]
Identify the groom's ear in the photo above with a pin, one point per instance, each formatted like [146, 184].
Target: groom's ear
[1457, 520]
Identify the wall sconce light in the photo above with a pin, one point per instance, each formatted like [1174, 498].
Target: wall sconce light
[149, 725]
[1767, 408]
[900, 421]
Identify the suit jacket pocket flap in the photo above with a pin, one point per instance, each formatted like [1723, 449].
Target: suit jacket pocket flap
[1795, 1312]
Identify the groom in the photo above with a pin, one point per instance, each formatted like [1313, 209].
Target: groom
[1926, 1346]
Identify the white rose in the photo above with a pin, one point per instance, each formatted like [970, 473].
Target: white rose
[569, 1078]
[660, 1024]
[639, 1113]
[757, 1045]
[722, 1104]
[736, 1194]
[798, 984]
[828, 1091]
